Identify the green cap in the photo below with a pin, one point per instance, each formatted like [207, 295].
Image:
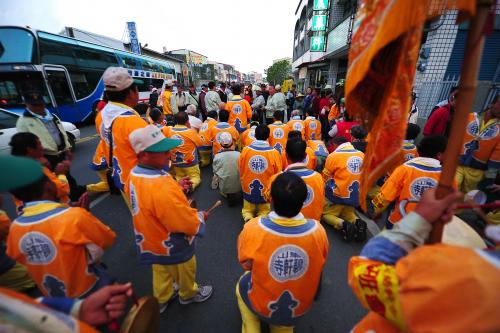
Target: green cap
[164, 145]
[17, 172]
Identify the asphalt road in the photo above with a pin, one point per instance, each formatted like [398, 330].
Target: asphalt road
[337, 309]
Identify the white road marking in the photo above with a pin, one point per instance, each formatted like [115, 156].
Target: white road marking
[99, 199]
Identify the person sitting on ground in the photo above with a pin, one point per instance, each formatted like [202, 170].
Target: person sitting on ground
[343, 128]
[194, 122]
[226, 174]
[409, 181]
[342, 174]
[248, 137]
[309, 160]
[278, 132]
[312, 126]
[205, 131]
[157, 117]
[409, 148]
[28, 145]
[222, 127]
[60, 246]
[359, 134]
[257, 163]
[296, 155]
[185, 160]
[266, 291]
[239, 109]
[320, 151]
[296, 124]
[165, 226]
[434, 288]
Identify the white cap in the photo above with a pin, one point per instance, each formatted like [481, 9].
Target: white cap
[151, 139]
[116, 79]
[225, 139]
[277, 87]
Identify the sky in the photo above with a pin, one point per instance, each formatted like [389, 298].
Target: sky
[246, 34]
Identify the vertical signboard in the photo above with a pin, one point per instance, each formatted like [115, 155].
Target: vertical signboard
[317, 43]
[134, 40]
[320, 5]
[319, 23]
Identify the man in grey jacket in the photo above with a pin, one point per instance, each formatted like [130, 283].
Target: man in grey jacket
[47, 127]
[275, 102]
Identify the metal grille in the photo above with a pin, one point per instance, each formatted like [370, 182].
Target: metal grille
[429, 93]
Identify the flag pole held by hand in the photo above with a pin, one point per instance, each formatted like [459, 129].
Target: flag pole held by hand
[467, 91]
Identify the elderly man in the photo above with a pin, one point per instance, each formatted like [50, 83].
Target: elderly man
[226, 174]
[192, 97]
[258, 104]
[275, 102]
[47, 127]
[194, 122]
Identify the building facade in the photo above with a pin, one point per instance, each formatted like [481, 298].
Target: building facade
[320, 58]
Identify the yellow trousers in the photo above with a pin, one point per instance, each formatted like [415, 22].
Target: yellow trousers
[250, 210]
[468, 178]
[193, 172]
[250, 323]
[205, 157]
[101, 186]
[17, 279]
[183, 274]
[334, 214]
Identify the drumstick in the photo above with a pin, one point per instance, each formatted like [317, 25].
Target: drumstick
[215, 205]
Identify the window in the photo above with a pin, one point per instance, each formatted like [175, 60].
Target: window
[14, 85]
[7, 120]
[95, 59]
[16, 45]
[128, 62]
[60, 87]
[52, 52]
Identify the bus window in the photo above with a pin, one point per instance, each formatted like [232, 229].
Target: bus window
[59, 85]
[13, 85]
[52, 52]
[17, 45]
[157, 83]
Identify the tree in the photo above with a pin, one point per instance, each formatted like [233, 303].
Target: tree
[279, 72]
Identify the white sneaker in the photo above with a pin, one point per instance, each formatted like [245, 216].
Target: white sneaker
[204, 293]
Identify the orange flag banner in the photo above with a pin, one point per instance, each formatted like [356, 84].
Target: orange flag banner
[382, 61]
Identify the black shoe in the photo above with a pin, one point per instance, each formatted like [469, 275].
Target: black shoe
[360, 230]
[348, 231]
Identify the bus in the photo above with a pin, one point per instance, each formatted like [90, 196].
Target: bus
[67, 71]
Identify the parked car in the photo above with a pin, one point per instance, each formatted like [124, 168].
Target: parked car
[8, 129]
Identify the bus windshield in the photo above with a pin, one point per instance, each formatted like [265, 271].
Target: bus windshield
[16, 46]
[14, 84]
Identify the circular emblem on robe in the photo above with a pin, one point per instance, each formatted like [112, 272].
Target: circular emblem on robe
[420, 185]
[472, 128]
[178, 137]
[354, 164]
[258, 164]
[278, 133]
[313, 125]
[489, 133]
[310, 196]
[236, 109]
[204, 127]
[297, 126]
[38, 248]
[288, 262]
